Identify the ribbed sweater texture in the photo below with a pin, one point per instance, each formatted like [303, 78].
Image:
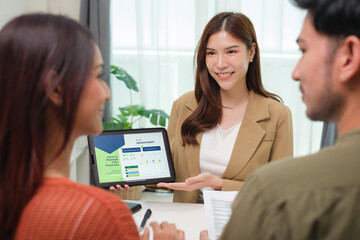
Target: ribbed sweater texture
[63, 209]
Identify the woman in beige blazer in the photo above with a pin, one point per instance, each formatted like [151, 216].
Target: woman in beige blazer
[228, 93]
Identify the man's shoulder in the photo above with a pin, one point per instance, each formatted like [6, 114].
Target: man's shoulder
[305, 194]
[332, 167]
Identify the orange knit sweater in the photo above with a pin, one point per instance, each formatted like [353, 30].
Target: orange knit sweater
[62, 209]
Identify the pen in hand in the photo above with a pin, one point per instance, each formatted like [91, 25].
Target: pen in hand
[143, 222]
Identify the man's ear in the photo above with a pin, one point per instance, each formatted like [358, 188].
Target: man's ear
[53, 90]
[349, 58]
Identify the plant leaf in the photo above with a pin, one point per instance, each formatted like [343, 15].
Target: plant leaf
[162, 121]
[123, 119]
[136, 109]
[125, 111]
[156, 116]
[112, 126]
[122, 75]
[153, 119]
[145, 113]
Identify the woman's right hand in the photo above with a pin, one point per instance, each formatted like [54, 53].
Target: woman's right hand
[163, 231]
[119, 188]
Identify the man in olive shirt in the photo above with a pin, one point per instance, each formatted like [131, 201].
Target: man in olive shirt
[317, 196]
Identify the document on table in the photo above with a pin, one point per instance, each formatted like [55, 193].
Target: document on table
[217, 210]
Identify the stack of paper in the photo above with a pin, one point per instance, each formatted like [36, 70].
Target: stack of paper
[218, 210]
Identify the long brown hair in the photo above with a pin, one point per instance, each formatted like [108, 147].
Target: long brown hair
[207, 91]
[31, 47]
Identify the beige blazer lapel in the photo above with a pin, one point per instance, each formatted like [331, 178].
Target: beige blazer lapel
[192, 152]
[249, 136]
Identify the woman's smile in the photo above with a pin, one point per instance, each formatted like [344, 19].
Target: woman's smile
[224, 76]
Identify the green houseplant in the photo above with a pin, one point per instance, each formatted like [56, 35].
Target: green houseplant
[127, 116]
[130, 114]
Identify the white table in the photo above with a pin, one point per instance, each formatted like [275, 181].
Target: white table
[189, 217]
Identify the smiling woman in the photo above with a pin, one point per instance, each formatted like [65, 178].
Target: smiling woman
[63, 99]
[159, 47]
[227, 60]
[51, 93]
[230, 125]
[92, 104]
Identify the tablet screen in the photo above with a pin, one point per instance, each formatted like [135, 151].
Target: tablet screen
[133, 157]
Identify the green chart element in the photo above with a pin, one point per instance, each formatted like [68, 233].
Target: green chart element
[132, 171]
[109, 166]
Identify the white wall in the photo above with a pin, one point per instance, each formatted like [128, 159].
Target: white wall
[70, 8]
[10, 9]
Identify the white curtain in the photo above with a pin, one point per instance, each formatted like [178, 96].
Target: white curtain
[154, 41]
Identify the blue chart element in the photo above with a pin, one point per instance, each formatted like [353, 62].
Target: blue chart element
[109, 143]
[148, 149]
[128, 150]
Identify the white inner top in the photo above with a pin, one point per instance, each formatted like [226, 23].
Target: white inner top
[215, 149]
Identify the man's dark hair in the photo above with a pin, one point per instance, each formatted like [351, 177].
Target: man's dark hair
[337, 18]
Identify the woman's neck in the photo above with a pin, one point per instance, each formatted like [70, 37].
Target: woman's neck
[235, 97]
[58, 165]
[57, 156]
[234, 107]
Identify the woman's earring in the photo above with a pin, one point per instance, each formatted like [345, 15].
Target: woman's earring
[251, 60]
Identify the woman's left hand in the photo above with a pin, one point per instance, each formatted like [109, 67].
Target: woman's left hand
[193, 183]
[119, 188]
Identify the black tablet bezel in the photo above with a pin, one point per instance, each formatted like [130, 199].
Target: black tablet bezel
[93, 161]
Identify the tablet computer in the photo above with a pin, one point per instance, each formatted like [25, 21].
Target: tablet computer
[133, 157]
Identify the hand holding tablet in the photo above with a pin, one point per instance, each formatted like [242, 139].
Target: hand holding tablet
[132, 157]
